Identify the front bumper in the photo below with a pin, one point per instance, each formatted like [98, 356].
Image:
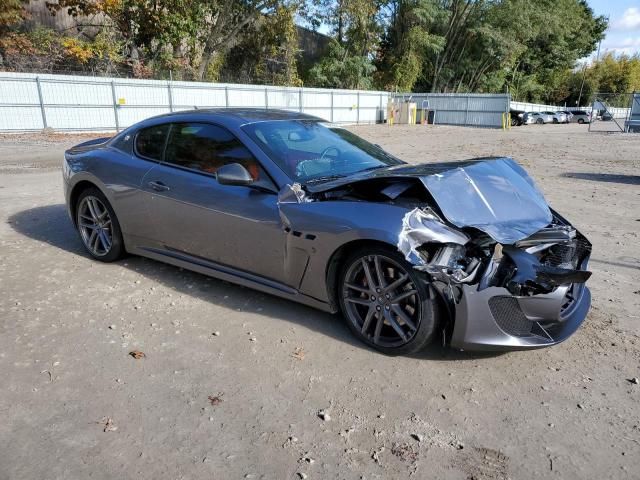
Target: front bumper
[494, 319]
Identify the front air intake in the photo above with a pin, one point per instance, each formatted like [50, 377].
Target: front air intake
[509, 316]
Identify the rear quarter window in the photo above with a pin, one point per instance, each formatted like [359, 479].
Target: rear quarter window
[150, 142]
[123, 142]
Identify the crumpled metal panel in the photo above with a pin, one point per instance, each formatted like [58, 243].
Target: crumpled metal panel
[420, 227]
[495, 196]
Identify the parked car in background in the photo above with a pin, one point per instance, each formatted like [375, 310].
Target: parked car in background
[567, 115]
[560, 117]
[580, 116]
[528, 118]
[517, 117]
[555, 117]
[542, 117]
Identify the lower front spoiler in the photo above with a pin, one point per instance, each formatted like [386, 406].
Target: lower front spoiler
[493, 319]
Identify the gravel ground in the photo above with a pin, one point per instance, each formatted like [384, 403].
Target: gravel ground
[238, 384]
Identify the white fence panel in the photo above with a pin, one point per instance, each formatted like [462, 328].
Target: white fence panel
[128, 115]
[20, 118]
[85, 118]
[65, 102]
[286, 99]
[247, 98]
[134, 94]
[82, 93]
[187, 97]
[23, 92]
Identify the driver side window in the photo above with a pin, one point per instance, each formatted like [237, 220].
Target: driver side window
[206, 148]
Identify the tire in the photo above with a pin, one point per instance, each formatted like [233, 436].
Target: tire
[514, 122]
[399, 328]
[581, 121]
[555, 121]
[98, 226]
[540, 121]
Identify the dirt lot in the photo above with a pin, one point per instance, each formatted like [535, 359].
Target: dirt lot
[243, 404]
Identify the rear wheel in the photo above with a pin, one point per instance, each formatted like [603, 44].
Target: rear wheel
[98, 226]
[581, 121]
[385, 302]
[539, 121]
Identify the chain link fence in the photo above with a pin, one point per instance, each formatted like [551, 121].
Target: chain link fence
[615, 112]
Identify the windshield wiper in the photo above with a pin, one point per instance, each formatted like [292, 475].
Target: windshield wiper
[325, 178]
[376, 167]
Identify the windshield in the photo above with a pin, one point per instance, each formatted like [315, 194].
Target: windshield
[310, 151]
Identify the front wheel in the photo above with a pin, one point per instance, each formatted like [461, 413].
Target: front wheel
[386, 303]
[539, 121]
[98, 226]
[581, 121]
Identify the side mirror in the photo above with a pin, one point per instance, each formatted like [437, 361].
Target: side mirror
[233, 174]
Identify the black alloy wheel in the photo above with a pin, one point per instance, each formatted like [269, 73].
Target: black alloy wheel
[386, 302]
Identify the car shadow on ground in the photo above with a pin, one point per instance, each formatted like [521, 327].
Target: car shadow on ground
[604, 177]
[51, 224]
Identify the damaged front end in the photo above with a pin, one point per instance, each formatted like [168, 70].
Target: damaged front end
[511, 271]
[529, 294]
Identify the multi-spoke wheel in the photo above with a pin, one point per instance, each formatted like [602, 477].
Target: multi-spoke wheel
[385, 302]
[98, 226]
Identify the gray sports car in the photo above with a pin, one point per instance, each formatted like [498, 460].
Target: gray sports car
[467, 252]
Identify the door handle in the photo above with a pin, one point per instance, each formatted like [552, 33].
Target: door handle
[158, 186]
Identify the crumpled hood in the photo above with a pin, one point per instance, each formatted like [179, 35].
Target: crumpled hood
[494, 195]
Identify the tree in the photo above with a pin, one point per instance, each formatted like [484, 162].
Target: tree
[267, 53]
[481, 45]
[195, 31]
[407, 43]
[338, 69]
[11, 12]
[356, 30]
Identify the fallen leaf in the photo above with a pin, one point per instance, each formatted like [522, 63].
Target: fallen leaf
[137, 354]
[108, 425]
[216, 400]
[298, 353]
[405, 452]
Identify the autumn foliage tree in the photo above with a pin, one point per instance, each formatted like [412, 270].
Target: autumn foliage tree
[526, 48]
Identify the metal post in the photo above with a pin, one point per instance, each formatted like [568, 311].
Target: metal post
[300, 99]
[115, 105]
[466, 113]
[44, 116]
[332, 106]
[358, 109]
[226, 96]
[381, 113]
[170, 96]
[266, 98]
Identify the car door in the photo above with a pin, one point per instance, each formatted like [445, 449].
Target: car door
[236, 226]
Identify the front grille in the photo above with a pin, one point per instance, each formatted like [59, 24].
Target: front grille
[509, 316]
